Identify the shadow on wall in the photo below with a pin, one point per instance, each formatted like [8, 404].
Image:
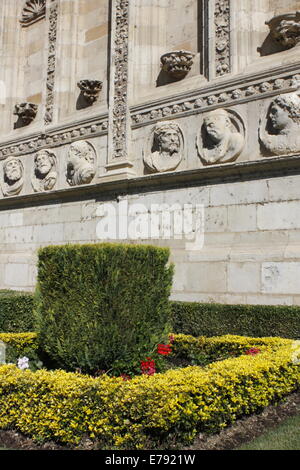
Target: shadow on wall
[269, 46]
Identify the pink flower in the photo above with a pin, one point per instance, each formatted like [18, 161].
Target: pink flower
[252, 351]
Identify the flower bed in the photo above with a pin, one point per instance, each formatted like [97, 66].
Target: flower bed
[151, 410]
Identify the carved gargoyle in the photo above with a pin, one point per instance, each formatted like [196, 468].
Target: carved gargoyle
[177, 64]
[90, 90]
[26, 112]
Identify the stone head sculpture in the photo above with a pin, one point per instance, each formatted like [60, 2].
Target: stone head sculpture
[45, 174]
[165, 150]
[13, 176]
[81, 163]
[219, 140]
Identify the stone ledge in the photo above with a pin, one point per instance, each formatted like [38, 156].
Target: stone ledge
[218, 174]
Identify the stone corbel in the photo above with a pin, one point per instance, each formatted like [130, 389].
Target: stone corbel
[26, 112]
[285, 29]
[177, 64]
[90, 90]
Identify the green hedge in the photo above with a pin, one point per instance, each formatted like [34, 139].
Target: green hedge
[102, 306]
[199, 319]
[16, 311]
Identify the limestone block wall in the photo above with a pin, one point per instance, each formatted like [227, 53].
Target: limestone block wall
[251, 251]
[214, 124]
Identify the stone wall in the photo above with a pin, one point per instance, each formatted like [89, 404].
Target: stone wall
[187, 102]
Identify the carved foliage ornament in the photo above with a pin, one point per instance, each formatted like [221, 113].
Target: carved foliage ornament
[120, 79]
[285, 29]
[52, 37]
[90, 89]
[222, 35]
[177, 64]
[33, 11]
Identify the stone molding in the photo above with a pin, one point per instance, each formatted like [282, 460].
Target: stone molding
[55, 137]
[217, 95]
[218, 174]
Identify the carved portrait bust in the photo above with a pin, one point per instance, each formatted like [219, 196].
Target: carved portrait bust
[280, 130]
[13, 172]
[165, 148]
[45, 173]
[81, 164]
[221, 137]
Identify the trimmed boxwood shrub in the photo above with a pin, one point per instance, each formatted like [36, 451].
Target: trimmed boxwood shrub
[150, 412]
[102, 306]
[16, 311]
[199, 319]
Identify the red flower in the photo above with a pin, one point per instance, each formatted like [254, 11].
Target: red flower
[253, 351]
[164, 349]
[125, 377]
[148, 366]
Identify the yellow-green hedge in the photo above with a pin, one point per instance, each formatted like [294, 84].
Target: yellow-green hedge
[20, 342]
[149, 411]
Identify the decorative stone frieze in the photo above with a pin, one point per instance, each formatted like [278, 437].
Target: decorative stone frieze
[81, 164]
[177, 64]
[33, 10]
[13, 173]
[55, 138]
[45, 171]
[164, 149]
[90, 89]
[285, 29]
[234, 95]
[280, 131]
[26, 112]
[221, 137]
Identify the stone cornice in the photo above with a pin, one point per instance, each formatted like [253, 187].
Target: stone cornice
[55, 136]
[217, 174]
[221, 93]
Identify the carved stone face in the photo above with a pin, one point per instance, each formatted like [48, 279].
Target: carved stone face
[169, 141]
[13, 170]
[43, 163]
[279, 117]
[216, 127]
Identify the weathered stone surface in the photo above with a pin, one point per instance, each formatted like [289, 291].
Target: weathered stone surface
[209, 143]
